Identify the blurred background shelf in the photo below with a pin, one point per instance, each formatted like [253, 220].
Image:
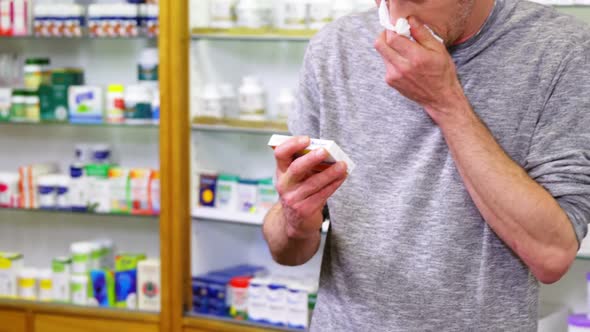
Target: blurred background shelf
[83, 125]
[223, 324]
[239, 34]
[75, 310]
[222, 128]
[113, 216]
[213, 214]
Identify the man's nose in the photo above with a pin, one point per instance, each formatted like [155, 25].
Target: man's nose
[399, 9]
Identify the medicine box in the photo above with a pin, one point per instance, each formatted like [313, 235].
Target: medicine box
[10, 266]
[126, 279]
[61, 269]
[85, 104]
[335, 153]
[149, 285]
[5, 102]
[103, 287]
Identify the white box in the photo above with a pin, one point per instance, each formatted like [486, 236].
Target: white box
[61, 268]
[10, 266]
[149, 285]
[335, 153]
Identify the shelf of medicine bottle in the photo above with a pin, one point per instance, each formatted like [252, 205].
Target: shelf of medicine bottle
[111, 216]
[87, 125]
[76, 310]
[244, 218]
[227, 324]
[84, 38]
[213, 214]
[266, 130]
[583, 257]
[239, 34]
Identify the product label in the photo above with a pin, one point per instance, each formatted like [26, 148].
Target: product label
[79, 293]
[80, 263]
[45, 290]
[61, 286]
[252, 104]
[139, 111]
[147, 73]
[212, 108]
[125, 289]
[116, 110]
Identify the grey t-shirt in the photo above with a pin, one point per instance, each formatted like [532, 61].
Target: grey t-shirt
[407, 249]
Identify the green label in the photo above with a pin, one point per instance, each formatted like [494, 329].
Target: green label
[77, 287]
[80, 258]
[125, 262]
[147, 74]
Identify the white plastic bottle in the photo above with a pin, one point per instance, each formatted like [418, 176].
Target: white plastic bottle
[45, 285]
[292, 14]
[320, 13]
[79, 289]
[252, 100]
[211, 102]
[229, 101]
[222, 14]
[27, 284]
[115, 104]
[148, 67]
[81, 260]
[285, 104]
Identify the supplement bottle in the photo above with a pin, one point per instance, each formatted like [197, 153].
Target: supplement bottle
[252, 100]
[254, 14]
[27, 284]
[115, 104]
[34, 72]
[211, 102]
[222, 14]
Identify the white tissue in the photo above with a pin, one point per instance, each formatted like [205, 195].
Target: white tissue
[402, 26]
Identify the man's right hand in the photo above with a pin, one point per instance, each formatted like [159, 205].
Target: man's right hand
[303, 192]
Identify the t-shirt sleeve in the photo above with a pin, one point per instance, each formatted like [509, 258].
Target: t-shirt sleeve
[304, 120]
[559, 156]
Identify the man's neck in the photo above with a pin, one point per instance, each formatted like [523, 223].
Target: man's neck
[479, 14]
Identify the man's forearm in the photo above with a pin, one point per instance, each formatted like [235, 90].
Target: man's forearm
[284, 249]
[520, 211]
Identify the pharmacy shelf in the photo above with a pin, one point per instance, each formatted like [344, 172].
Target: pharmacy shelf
[239, 34]
[216, 323]
[583, 257]
[238, 130]
[68, 124]
[105, 215]
[244, 218]
[581, 12]
[212, 214]
[75, 310]
[75, 38]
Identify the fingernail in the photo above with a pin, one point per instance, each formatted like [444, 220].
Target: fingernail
[303, 140]
[341, 166]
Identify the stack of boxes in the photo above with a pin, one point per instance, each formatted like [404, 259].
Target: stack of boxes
[247, 292]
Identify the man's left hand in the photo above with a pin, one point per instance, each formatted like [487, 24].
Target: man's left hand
[422, 71]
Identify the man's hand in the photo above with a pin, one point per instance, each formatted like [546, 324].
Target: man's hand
[303, 193]
[422, 71]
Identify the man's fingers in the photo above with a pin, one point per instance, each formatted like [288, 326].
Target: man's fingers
[318, 200]
[319, 181]
[422, 34]
[402, 45]
[388, 53]
[285, 152]
[301, 167]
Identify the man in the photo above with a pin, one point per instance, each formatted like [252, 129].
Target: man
[473, 166]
